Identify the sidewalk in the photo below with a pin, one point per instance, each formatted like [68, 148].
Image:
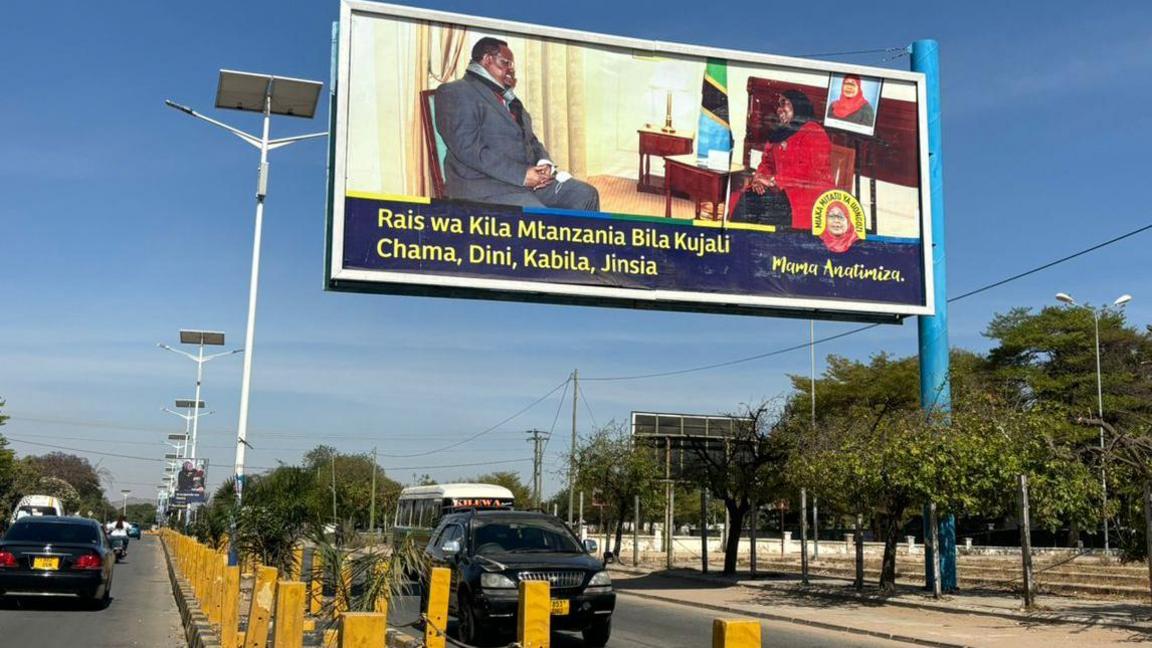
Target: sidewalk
[976, 619]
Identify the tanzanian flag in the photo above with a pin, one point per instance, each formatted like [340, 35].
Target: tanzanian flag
[714, 132]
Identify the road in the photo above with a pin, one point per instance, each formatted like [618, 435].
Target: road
[654, 624]
[142, 613]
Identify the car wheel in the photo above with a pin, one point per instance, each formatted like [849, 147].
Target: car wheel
[597, 634]
[468, 627]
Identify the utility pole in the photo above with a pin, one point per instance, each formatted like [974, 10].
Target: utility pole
[572, 457]
[536, 438]
[372, 511]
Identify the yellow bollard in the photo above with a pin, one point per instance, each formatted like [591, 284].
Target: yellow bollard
[382, 597]
[331, 638]
[344, 589]
[535, 612]
[438, 586]
[316, 584]
[260, 612]
[735, 633]
[230, 607]
[216, 592]
[289, 615]
[363, 629]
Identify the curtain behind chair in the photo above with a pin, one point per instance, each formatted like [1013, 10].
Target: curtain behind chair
[552, 75]
[438, 54]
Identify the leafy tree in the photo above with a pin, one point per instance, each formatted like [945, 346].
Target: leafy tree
[509, 480]
[77, 471]
[350, 476]
[750, 472]
[614, 470]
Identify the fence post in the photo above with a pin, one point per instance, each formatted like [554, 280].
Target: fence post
[260, 612]
[230, 608]
[735, 633]
[289, 615]
[316, 583]
[363, 629]
[216, 593]
[437, 623]
[533, 622]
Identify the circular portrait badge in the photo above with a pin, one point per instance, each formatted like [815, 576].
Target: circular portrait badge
[838, 219]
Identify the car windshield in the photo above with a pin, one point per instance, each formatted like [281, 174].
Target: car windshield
[52, 533]
[522, 536]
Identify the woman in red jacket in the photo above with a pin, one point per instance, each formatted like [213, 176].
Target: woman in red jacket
[794, 171]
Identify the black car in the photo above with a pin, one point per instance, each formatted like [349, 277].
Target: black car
[491, 552]
[57, 555]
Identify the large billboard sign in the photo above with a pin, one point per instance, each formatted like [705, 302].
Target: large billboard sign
[481, 158]
[190, 482]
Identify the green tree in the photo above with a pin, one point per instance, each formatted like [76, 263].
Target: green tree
[349, 476]
[510, 480]
[614, 471]
[751, 470]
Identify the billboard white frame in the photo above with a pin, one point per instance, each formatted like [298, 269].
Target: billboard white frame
[340, 278]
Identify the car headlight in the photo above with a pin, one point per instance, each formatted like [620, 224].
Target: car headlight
[600, 579]
[496, 581]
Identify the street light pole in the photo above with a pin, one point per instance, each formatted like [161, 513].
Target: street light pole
[124, 509]
[268, 95]
[1120, 301]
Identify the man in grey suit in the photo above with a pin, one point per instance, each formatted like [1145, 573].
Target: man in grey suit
[493, 155]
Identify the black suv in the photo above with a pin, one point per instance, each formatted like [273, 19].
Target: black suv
[490, 552]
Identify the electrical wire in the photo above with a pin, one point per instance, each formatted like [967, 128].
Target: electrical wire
[551, 430]
[861, 329]
[588, 408]
[482, 432]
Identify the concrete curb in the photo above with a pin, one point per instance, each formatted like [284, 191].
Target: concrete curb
[816, 591]
[197, 630]
[797, 620]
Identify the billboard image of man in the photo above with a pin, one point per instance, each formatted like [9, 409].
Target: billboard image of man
[493, 154]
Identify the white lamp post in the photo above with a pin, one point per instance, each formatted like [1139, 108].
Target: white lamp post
[1120, 301]
[124, 509]
[268, 95]
[199, 338]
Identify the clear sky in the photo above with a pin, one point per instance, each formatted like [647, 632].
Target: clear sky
[122, 221]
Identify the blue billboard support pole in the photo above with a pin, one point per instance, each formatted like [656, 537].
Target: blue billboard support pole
[935, 388]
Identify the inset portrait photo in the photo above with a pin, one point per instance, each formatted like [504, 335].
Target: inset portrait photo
[852, 103]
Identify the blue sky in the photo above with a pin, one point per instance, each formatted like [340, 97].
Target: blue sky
[123, 222]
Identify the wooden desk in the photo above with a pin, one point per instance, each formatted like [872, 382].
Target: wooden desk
[654, 142]
[701, 184]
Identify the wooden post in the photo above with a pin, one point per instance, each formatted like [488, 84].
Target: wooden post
[1148, 529]
[1026, 544]
[535, 612]
[438, 586]
[316, 583]
[362, 629]
[344, 589]
[289, 615]
[934, 522]
[859, 552]
[230, 607]
[636, 533]
[260, 611]
[298, 563]
[803, 536]
[216, 592]
[735, 633]
[752, 539]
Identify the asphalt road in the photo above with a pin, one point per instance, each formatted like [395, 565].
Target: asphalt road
[142, 613]
[655, 624]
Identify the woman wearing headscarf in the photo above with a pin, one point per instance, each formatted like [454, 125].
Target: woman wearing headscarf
[793, 172]
[838, 234]
[852, 106]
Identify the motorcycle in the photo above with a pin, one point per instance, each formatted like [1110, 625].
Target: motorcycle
[119, 546]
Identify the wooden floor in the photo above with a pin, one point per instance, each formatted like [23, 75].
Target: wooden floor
[619, 196]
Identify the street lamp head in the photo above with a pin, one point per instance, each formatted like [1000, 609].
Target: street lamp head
[1122, 299]
[1066, 298]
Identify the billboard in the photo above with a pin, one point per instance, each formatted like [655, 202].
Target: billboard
[480, 158]
[677, 441]
[190, 481]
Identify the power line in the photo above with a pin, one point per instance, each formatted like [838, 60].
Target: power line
[861, 329]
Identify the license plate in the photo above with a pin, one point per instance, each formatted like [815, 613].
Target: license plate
[39, 562]
[560, 606]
